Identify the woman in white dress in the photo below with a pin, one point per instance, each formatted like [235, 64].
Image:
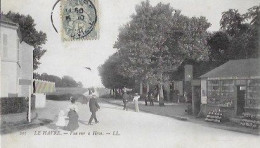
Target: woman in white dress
[61, 119]
[135, 99]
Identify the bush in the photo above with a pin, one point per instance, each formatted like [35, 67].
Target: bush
[106, 96]
[63, 97]
[15, 105]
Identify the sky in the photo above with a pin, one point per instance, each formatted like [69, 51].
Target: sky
[70, 58]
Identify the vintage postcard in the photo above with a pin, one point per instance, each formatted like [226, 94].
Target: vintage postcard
[130, 74]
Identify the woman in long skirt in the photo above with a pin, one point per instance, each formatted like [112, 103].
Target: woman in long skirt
[73, 116]
[136, 97]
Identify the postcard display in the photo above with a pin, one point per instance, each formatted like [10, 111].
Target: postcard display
[252, 104]
[249, 120]
[221, 93]
[253, 94]
[215, 116]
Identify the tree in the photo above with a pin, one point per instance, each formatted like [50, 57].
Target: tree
[30, 35]
[155, 41]
[68, 81]
[110, 76]
[65, 81]
[80, 84]
[237, 39]
[219, 44]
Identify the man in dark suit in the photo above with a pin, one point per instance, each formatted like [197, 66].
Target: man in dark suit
[125, 100]
[93, 106]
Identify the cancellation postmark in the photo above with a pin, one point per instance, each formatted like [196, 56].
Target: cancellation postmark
[79, 20]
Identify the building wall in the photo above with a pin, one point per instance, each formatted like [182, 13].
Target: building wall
[26, 71]
[9, 60]
[178, 85]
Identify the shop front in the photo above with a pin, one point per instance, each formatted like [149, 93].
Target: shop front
[234, 96]
[232, 89]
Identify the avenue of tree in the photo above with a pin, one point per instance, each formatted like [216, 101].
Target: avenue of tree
[159, 38]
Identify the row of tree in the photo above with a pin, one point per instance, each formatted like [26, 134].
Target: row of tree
[65, 81]
[159, 38]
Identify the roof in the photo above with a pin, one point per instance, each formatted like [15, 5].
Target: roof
[4, 19]
[7, 21]
[243, 68]
[199, 68]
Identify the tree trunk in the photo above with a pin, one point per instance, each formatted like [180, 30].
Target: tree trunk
[141, 87]
[147, 87]
[161, 98]
[167, 89]
[114, 94]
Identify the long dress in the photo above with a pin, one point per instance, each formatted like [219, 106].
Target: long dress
[136, 103]
[61, 119]
[73, 120]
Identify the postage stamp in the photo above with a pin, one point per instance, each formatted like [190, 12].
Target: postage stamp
[79, 20]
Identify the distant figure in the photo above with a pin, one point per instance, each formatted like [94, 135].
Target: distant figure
[93, 106]
[156, 94]
[136, 97]
[145, 99]
[125, 100]
[61, 119]
[73, 116]
[150, 97]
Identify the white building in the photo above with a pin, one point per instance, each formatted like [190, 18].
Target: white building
[26, 70]
[16, 60]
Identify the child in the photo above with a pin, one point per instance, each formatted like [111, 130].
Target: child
[73, 116]
[61, 119]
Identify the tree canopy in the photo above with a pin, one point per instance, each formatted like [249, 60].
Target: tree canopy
[110, 76]
[30, 35]
[65, 81]
[238, 37]
[157, 39]
[152, 44]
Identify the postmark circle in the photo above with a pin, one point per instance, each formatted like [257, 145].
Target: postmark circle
[79, 18]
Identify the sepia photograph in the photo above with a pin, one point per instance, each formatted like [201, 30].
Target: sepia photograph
[130, 74]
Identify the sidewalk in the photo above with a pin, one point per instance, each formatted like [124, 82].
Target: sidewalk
[16, 122]
[41, 116]
[177, 111]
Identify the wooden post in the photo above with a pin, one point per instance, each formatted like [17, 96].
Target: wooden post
[30, 104]
[161, 98]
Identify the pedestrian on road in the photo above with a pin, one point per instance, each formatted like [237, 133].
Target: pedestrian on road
[135, 99]
[145, 99]
[73, 116]
[150, 97]
[125, 100]
[61, 120]
[93, 106]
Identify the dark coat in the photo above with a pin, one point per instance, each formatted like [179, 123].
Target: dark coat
[93, 105]
[125, 97]
[73, 121]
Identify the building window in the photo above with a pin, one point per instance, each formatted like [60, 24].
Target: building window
[5, 52]
[221, 92]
